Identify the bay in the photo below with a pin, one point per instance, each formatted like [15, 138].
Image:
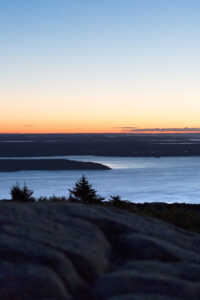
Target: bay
[143, 179]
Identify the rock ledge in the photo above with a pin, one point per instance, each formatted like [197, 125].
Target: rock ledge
[61, 251]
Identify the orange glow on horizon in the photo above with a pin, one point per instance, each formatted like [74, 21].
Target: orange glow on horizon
[97, 131]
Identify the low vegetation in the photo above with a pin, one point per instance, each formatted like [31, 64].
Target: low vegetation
[52, 199]
[186, 216]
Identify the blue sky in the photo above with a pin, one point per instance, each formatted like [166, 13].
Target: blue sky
[123, 63]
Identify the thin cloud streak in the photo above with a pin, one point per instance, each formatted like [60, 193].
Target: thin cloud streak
[29, 125]
[159, 130]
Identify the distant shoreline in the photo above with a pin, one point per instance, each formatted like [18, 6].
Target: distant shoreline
[155, 145]
[44, 156]
[13, 165]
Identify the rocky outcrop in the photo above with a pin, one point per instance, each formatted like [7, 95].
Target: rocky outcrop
[61, 251]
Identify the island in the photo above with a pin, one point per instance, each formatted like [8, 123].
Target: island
[13, 165]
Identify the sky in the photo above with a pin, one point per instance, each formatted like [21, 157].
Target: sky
[99, 66]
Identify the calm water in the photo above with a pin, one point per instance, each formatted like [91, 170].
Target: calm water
[168, 179]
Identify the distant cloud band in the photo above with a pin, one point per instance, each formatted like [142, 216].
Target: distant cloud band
[143, 130]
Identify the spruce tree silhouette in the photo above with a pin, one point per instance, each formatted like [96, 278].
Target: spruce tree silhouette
[21, 194]
[83, 192]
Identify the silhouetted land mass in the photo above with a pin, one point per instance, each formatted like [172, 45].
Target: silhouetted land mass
[11, 165]
[137, 145]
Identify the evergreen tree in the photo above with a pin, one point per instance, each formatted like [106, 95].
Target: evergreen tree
[21, 194]
[84, 192]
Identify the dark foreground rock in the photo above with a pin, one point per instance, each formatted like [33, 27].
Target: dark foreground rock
[61, 251]
[12, 165]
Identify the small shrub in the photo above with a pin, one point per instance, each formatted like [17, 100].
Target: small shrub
[114, 200]
[52, 199]
[42, 199]
[57, 199]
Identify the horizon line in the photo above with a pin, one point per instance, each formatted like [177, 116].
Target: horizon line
[125, 132]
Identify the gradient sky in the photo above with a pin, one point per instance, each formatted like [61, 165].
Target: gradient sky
[99, 66]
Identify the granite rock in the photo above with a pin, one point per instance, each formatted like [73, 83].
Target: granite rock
[61, 251]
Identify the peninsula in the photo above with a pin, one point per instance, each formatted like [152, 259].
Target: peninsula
[13, 165]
